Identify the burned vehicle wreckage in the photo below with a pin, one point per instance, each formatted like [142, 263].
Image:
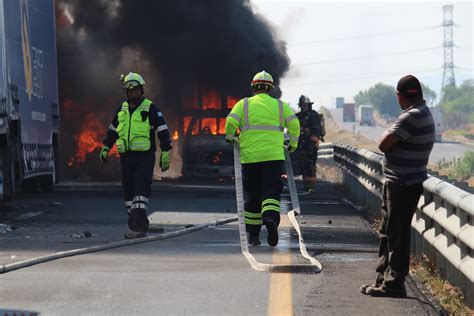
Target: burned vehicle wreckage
[202, 124]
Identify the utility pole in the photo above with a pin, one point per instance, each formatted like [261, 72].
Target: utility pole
[448, 65]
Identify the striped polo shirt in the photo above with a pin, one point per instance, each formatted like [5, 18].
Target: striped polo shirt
[415, 129]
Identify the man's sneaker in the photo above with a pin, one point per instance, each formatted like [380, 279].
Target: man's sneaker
[378, 282]
[386, 291]
[131, 234]
[272, 229]
[254, 240]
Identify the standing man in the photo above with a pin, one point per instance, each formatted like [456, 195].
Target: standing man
[133, 130]
[312, 128]
[406, 146]
[261, 120]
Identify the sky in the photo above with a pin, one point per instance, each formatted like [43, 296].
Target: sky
[338, 48]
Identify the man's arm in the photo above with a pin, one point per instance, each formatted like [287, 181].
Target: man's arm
[400, 131]
[316, 124]
[233, 121]
[112, 134]
[157, 120]
[292, 124]
[389, 142]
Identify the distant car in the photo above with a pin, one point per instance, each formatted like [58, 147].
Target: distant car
[438, 115]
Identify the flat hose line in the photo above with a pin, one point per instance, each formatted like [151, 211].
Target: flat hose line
[314, 265]
[4, 268]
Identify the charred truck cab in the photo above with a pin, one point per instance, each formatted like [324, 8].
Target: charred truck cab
[29, 117]
[205, 152]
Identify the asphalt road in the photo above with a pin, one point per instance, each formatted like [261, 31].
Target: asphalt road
[445, 150]
[201, 273]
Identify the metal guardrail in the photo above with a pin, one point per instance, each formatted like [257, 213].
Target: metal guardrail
[325, 150]
[443, 225]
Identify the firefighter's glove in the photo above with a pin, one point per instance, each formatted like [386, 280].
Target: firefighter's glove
[164, 161]
[104, 153]
[229, 139]
[292, 147]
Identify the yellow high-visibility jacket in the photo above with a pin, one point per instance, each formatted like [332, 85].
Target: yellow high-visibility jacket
[261, 120]
[133, 131]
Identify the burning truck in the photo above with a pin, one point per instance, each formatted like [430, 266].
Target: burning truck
[197, 58]
[202, 124]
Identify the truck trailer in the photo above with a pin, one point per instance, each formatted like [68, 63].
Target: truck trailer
[366, 115]
[29, 116]
[348, 112]
[438, 114]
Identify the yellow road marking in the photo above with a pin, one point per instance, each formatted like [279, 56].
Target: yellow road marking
[280, 298]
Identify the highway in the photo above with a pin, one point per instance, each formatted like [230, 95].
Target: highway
[200, 273]
[445, 150]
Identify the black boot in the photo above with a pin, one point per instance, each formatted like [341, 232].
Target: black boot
[254, 240]
[272, 229]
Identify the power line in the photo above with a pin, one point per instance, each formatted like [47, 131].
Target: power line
[414, 71]
[366, 57]
[349, 80]
[463, 69]
[340, 39]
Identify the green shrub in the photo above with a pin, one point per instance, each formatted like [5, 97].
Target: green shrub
[465, 168]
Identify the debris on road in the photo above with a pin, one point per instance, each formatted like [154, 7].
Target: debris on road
[85, 234]
[4, 228]
[156, 229]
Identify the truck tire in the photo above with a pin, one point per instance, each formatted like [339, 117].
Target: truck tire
[8, 171]
[46, 183]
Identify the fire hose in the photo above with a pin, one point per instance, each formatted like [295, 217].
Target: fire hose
[4, 268]
[314, 265]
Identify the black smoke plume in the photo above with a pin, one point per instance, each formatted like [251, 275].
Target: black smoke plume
[176, 45]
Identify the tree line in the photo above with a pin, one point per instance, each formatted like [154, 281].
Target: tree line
[457, 101]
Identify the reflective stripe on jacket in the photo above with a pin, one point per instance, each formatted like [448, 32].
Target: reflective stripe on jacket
[262, 120]
[134, 130]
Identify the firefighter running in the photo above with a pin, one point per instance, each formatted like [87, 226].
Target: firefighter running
[261, 120]
[312, 131]
[133, 131]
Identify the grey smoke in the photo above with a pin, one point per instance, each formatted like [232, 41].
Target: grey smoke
[177, 45]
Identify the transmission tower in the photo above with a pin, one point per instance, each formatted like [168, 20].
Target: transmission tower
[448, 65]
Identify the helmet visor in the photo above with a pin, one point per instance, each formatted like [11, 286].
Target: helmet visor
[131, 84]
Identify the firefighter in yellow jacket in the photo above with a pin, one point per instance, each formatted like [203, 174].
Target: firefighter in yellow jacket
[133, 130]
[261, 120]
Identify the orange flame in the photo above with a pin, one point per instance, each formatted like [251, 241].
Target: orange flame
[175, 135]
[211, 100]
[88, 139]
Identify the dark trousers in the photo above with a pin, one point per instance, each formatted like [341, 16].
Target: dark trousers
[307, 158]
[398, 206]
[262, 186]
[137, 176]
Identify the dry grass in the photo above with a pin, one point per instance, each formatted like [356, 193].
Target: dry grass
[449, 297]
